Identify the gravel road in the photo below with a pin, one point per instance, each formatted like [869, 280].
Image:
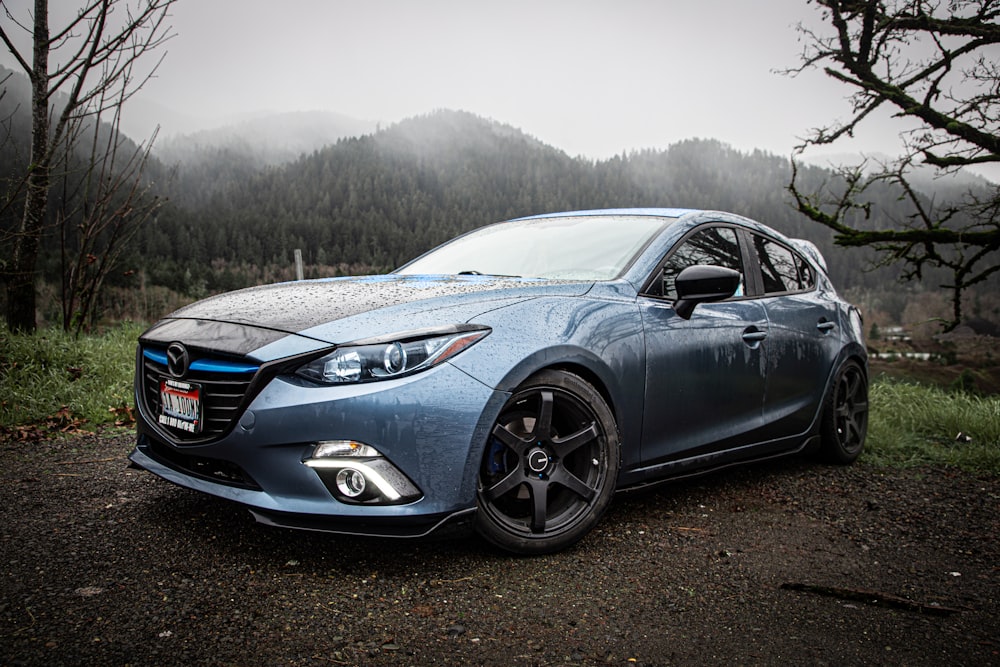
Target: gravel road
[104, 565]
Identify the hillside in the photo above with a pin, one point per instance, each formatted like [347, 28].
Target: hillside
[369, 203]
[266, 140]
[357, 199]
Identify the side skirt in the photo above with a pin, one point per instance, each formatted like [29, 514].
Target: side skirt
[647, 478]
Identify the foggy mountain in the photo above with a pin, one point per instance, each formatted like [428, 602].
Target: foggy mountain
[358, 199]
[369, 203]
[268, 139]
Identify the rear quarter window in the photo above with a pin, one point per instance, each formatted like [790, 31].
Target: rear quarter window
[782, 269]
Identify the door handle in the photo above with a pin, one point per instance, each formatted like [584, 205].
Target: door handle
[825, 325]
[752, 336]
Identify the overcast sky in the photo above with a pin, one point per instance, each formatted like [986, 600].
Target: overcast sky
[591, 77]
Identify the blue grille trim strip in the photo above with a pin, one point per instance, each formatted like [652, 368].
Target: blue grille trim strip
[155, 355]
[206, 365]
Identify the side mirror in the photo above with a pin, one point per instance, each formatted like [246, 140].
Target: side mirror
[704, 284]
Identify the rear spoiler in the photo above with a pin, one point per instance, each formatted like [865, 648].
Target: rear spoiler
[810, 250]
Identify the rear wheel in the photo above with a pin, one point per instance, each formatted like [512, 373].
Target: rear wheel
[845, 415]
[550, 466]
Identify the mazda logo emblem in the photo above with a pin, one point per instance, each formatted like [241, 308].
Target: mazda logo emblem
[178, 360]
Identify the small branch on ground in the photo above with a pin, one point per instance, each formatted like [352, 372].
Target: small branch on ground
[872, 598]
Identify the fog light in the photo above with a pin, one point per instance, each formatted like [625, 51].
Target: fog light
[356, 473]
[351, 482]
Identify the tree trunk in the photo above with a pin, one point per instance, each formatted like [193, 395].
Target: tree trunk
[21, 283]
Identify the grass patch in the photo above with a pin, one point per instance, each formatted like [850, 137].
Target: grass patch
[56, 379]
[915, 424]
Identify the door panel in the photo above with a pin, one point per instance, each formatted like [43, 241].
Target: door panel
[802, 347]
[804, 338]
[704, 378]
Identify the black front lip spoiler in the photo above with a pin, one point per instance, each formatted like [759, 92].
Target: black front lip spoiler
[457, 523]
[440, 525]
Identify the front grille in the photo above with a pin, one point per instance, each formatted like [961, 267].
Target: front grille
[224, 386]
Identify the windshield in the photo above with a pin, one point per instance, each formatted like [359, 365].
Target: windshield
[563, 248]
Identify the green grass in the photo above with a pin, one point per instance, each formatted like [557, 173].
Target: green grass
[53, 378]
[915, 424]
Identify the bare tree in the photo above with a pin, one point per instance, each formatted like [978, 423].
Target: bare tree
[98, 51]
[933, 65]
[100, 208]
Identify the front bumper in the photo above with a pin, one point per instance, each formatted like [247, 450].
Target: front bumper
[432, 426]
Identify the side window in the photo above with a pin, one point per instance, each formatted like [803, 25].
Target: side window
[782, 269]
[715, 245]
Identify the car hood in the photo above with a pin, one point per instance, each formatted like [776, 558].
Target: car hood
[339, 310]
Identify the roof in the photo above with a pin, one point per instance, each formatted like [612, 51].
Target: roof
[652, 212]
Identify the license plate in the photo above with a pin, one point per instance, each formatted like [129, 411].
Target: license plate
[180, 405]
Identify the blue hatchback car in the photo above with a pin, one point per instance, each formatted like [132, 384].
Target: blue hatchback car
[511, 379]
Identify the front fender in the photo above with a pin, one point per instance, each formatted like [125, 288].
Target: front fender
[601, 339]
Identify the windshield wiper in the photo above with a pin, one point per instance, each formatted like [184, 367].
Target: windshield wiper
[480, 273]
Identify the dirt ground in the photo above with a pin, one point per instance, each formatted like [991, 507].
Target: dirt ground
[104, 565]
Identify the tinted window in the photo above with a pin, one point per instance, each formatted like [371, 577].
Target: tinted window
[716, 246]
[781, 269]
[806, 276]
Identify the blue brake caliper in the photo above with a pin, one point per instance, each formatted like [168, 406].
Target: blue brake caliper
[496, 463]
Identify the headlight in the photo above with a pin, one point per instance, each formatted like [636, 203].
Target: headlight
[404, 355]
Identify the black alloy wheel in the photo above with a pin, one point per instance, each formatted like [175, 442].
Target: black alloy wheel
[845, 417]
[550, 466]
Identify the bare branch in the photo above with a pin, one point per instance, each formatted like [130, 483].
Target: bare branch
[13, 49]
[929, 61]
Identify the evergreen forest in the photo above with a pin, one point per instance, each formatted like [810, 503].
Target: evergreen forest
[365, 204]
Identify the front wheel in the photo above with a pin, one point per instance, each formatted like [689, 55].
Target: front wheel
[845, 415]
[550, 466]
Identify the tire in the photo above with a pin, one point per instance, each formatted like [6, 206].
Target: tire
[550, 466]
[845, 416]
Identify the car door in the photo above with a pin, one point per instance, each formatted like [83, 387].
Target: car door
[704, 380]
[803, 337]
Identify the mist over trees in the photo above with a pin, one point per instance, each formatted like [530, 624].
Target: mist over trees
[368, 203]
